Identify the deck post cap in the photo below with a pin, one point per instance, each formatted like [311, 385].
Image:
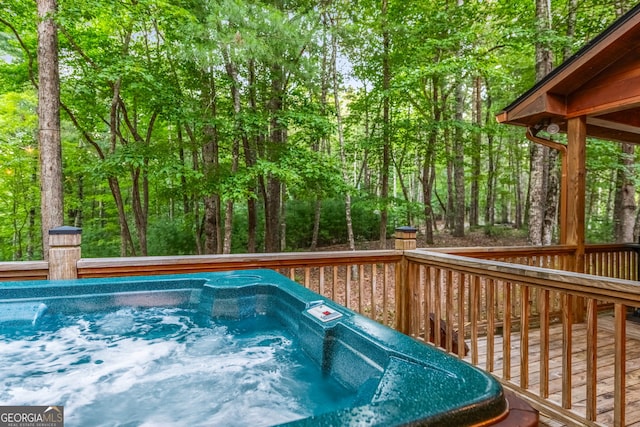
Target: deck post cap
[407, 229]
[65, 229]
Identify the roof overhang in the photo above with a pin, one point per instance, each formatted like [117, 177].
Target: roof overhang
[601, 82]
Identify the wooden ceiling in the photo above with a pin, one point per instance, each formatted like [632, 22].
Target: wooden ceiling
[601, 82]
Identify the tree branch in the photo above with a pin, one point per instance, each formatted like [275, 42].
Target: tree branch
[84, 133]
[26, 50]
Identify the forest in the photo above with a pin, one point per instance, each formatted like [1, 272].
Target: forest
[231, 126]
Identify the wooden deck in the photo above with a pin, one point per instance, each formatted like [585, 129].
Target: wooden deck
[605, 369]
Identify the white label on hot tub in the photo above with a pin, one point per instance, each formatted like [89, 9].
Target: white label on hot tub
[324, 313]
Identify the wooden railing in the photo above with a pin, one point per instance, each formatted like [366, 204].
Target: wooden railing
[24, 270]
[619, 261]
[568, 373]
[609, 260]
[363, 281]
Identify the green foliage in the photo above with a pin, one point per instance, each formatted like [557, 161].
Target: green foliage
[333, 231]
[148, 88]
[169, 236]
[19, 188]
[502, 231]
[599, 230]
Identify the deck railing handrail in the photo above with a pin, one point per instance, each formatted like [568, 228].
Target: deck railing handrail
[507, 251]
[579, 284]
[102, 267]
[487, 301]
[24, 270]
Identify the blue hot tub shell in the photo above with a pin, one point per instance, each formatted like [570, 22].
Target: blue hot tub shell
[397, 380]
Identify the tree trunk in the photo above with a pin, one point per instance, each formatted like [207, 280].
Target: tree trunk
[343, 159]
[572, 10]
[493, 159]
[195, 159]
[537, 188]
[250, 161]
[521, 200]
[232, 73]
[458, 167]
[52, 194]
[625, 206]
[210, 160]
[474, 196]
[186, 201]
[386, 128]
[140, 179]
[450, 213]
[126, 240]
[317, 210]
[611, 195]
[536, 194]
[428, 164]
[33, 231]
[283, 218]
[273, 186]
[553, 197]
[428, 180]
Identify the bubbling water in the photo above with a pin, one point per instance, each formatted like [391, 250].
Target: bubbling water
[163, 367]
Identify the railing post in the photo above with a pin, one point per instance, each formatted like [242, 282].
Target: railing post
[64, 252]
[405, 239]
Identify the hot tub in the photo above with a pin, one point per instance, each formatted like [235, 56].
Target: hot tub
[366, 373]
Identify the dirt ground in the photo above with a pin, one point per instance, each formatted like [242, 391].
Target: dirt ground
[498, 236]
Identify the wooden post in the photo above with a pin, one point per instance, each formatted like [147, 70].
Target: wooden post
[64, 252]
[575, 199]
[576, 173]
[405, 239]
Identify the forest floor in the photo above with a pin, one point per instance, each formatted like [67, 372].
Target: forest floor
[496, 236]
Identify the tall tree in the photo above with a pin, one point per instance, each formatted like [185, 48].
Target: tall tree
[476, 160]
[386, 123]
[458, 166]
[625, 199]
[51, 190]
[540, 154]
[339, 128]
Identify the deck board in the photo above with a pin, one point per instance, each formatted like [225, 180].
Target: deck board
[605, 368]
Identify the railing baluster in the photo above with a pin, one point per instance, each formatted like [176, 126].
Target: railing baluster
[414, 297]
[334, 283]
[524, 336]
[544, 342]
[592, 357]
[619, 395]
[360, 286]
[506, 332]
[461, 297]
[437, 308]
[385, 297]
[428, 277]
[474, 318]
[347, 285]
[491, 326]
[567, 324]
[374, 289]
[449, 311]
